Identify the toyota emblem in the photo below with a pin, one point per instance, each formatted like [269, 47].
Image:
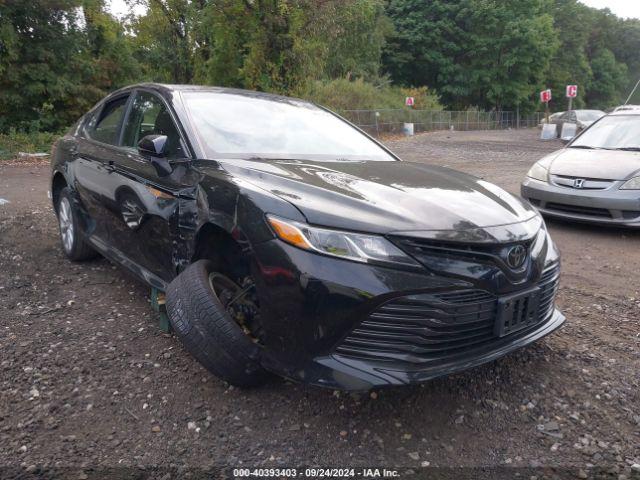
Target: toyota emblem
[516, 256]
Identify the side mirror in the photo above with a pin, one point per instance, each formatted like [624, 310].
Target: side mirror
[154, 147]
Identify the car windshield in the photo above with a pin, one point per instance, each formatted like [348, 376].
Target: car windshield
[252, 126]
[588, 115]
[612, 132]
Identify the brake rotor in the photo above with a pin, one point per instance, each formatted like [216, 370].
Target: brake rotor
[240, 302]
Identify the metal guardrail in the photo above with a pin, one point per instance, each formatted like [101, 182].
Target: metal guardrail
[384, 121]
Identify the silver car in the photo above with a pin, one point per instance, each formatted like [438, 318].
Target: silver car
[595, 178]
[582, 119]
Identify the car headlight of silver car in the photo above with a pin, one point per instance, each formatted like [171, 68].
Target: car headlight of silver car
[538, 172]
[358, 247]
[633, 184]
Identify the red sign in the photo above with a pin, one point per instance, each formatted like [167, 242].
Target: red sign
[409, 102]
[572, 91]
[545, 96]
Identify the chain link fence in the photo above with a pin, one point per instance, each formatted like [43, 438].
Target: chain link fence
[378, 122]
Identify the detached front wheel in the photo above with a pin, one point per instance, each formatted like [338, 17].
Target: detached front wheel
[210, 314]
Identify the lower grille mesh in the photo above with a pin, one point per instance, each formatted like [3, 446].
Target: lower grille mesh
[429, 327]
[591, 211]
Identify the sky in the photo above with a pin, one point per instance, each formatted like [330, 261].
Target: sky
[119, 8]
[622, 8]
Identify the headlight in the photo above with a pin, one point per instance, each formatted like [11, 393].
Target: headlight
[352, 246]
[538, 172]
[633, 184]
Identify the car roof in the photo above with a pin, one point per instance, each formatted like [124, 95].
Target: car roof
[626, 108]
[165, 88]
[618, 113]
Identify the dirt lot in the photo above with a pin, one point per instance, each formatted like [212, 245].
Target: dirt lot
[89, 382]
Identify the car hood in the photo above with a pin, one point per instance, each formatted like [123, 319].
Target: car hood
[600, 164]
[385, 197]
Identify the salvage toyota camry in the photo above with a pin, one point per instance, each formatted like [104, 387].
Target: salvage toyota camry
[289, 241]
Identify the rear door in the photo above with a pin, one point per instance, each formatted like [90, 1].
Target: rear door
[93, 166]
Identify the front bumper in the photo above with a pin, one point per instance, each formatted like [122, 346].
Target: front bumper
[311, 305]
[345, 371]
[611, 206]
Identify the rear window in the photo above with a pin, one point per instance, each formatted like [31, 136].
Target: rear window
[589, 115]
[105, 126]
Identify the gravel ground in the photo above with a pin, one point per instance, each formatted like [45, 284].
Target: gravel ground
[90, 383]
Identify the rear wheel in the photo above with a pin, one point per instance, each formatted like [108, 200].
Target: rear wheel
[73, 243]
[215, 319]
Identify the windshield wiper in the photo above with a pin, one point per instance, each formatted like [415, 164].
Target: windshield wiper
[588, 147]
[628, 149]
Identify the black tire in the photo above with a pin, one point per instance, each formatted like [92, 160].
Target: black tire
[208, 332]
[72, 238]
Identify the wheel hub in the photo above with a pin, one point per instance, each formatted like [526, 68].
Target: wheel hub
[66, 224]
[240, 302]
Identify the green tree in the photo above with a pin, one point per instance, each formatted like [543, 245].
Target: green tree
[40, 68]
[596, 53]
[109, 51]
[488, 53]
[626, 48]
[512, 45]
[609, 80]
[279, 45]
[57, 58]
[163, 40]
[570, 65]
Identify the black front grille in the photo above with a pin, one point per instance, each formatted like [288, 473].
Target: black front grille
[430, 327]
[435, 254]
[579, 210]
[548, 284]
[480, 253]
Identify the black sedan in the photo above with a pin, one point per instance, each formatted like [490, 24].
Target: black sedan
[288, 241]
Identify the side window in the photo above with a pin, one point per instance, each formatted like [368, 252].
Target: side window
[149, 116]
[105, 127]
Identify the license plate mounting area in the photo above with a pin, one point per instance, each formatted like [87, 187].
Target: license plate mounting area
[517, 311]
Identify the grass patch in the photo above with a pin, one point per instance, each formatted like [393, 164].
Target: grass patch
[343, 94]
[14, 142]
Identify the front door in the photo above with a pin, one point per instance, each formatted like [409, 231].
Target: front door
[148, 201]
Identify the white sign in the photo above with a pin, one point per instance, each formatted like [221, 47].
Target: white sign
[569, 131]
[572, 91]
[549, 131]
[409, 101]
